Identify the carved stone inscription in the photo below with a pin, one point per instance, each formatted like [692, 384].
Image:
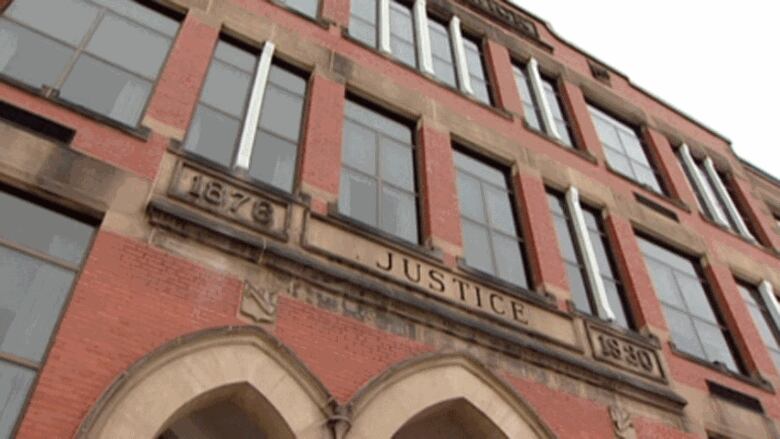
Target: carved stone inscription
[507, 15]
[229, 201]
[437, 281]
[624, 353]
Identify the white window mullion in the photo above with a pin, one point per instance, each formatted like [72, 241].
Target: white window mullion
[724, 195]
[541, 97]
[384, 25]
[592, 272]
[424, 53]
[461, 65]
[249, 130]
[698, 182]
[770, 300]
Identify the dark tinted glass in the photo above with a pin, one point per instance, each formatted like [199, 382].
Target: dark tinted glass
[402, 33]
[377, 181]
[362, 21]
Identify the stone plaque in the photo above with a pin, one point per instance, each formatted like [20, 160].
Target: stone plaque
[214, 194]
[625, 353]
[405, 268]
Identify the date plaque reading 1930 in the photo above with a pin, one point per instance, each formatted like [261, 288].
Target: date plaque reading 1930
[625, 353]
[229, 201]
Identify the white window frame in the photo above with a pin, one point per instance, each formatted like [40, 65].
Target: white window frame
[603, 309]
[711, 199]
[252, 118]
[770, 301]
[537, 88]
[423, 42]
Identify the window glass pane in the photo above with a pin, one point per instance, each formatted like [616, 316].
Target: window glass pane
[402, 33]
[715, 345]
[306, 7]
[614, 297]
[358, 197]
[476, 71]
[633, 146]
[237, 57]
[399, 214]
[500, 211]
[762, 325]
[15, 382]
[32, 294]
[29, 57]
[359, 147]
[566, 240]
[273, 160]
[695, 297]
[143, 15]
[443, 64]
[509, 259]
[213, 135]
[43, 230]
[579, 288]
[65, 20]
[362, 21]
[281, 113]
[397, 163]
[776, 358]
[607, 133]
[379, 122]
[530, 107]
[664, 284]
[128, 45]
[667, 257]
[470, 198]
[476, 243]
[647, 176]
[619, 162]
[287, 80]
[227, 89]
[106, 90]
[683, 332]
[476, 168]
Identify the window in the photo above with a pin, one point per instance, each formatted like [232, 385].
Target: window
[692, 318]
[41, 251]
[595, 286]
[713, 192]
[542, 103]
[378, 184]
[490, 238]
[624, 150]
[306, 7]
[102, 55]
[404, 30]
[762, 305]
[249, 115]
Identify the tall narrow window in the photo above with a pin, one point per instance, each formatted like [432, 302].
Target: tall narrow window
[41, 251]
[441, 51]
[378, 184]
[249, 115]
[541, 103]
[761, 312]
[585, 251]
[102, 55]
[696, 328]
[476, 68]
[363, 21]
[624, 150]
[491, 241]
[402, 33]
[714, 193]
[306, 7]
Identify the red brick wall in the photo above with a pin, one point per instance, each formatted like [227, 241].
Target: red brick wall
[130, 299]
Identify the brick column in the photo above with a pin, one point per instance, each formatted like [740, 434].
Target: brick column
[439, 192]
[581, 123]
[321, 147]
[547, 269]
[178, 88]
[757, 213]
[503, 79]
[734, 311]
[664, 160]
[336, 12]
[645, 306]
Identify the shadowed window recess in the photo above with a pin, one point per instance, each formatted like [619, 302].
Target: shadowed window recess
[41, 252]
[693, 319]
[378, 183]
[405, 30]
[491, 240]
[102, 55]
[250, 113]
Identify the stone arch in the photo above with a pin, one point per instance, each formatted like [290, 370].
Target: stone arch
[207, 368]
[425, 387]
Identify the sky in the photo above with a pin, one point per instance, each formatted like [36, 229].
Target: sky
[721, 62]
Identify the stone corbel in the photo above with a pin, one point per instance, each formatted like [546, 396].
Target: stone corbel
[259, 304]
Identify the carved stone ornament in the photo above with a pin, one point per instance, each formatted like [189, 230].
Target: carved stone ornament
[259, 304]
[621, 421]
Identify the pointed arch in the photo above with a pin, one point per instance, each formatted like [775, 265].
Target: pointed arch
[203, 370]
[423, 388]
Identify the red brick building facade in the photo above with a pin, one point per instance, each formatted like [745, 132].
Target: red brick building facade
[389, 218]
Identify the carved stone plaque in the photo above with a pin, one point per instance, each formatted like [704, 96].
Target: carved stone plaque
[228, 201]
[625, 353]
[407, 269]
